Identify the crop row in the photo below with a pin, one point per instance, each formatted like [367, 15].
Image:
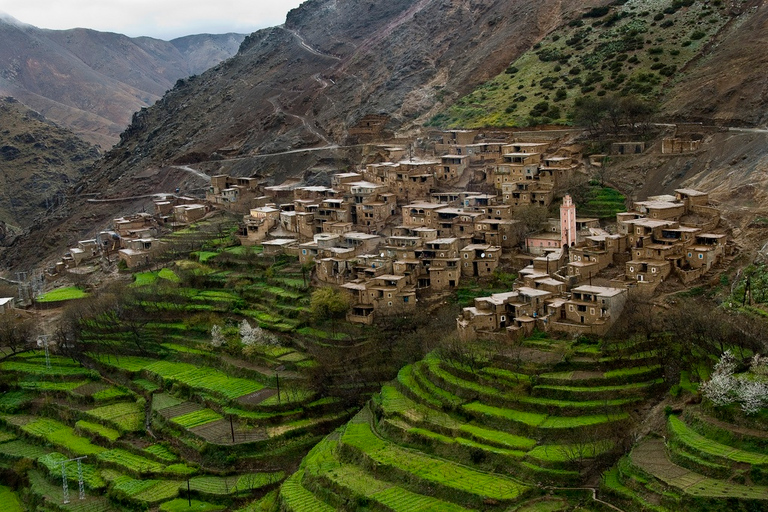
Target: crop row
[358, 435]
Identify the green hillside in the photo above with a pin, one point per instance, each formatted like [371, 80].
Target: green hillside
[635, 47]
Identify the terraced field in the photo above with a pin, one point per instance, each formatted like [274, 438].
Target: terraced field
[704, 464]
[452, 436]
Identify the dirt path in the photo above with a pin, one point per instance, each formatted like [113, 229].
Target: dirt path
[308, 125]
[311, 50]
[197, 173]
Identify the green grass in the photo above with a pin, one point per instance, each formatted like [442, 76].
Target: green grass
[147, 491]
[10, 500]
[299, 499]
[144, 278]
[130, 461]
[12, 401]
[60, 294]
[602, 202]
[701, 444]
[358, 434]
[97, 428]
[59, 434]
[161, 452]
[236, 484]
[168, 275]
[204, 378]
[21, 449]
[126, 416]
[183, 505]
[197, 418]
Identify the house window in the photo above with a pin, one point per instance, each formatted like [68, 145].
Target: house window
[690, 255]
[653, 270]
[591, 311]
[389, 295]
[405, 300]
[389, 303]
[466, 256]
[631, 269]
[701, 256]
[304, 251]
[570, 308]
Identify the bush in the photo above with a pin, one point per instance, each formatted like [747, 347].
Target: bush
[697, 35]
[597, 12]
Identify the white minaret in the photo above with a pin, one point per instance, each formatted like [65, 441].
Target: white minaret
[567, 222]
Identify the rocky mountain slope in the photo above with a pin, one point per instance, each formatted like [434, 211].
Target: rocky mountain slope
[39, 161]
[695, 60]
[91, 81]
[307, 83]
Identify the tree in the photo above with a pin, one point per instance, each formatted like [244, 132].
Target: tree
[531, 220]
[217, 337]
[15, 335]
[329, 304]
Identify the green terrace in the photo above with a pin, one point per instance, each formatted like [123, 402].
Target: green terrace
[705, 463]
[456, 433]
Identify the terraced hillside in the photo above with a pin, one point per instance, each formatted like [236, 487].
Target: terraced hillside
[703, 463]
[639, 47]
[461, 432]
[162, 413]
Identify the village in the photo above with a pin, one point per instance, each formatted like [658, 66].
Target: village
[401, 234]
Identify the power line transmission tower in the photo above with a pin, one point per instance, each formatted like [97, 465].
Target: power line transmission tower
[80, 482]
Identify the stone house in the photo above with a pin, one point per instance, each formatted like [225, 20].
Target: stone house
[627, 148]
[451, 167]
[589, 309]
[139, 251]
[257, 225]
[189, 213]
[135, 226]
[679, 145]
[479, 260]
[382, 295]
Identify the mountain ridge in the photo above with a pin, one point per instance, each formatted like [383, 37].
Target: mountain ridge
[93, 81]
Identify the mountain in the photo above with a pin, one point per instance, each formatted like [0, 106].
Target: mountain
[308, 83]
[39, 161]
[92, 82]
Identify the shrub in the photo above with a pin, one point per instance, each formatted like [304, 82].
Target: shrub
[697, 35]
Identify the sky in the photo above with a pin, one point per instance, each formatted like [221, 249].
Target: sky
[162, 19]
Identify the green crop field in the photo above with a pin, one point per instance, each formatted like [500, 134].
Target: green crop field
[61, 294]
[131, 461]
[97, 428]
[299, 499]
[437, 471]
[126, 416]
[91, 477]
[197, 418]
[701, 444]
[10, 500]
[62, 435]
[183, 505]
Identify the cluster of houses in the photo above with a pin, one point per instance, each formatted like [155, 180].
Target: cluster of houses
[661, 237]
[134, 238]
[410, 229]
[404, 230]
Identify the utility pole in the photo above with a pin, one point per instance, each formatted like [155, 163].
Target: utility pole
[44, 339]
[65, 484]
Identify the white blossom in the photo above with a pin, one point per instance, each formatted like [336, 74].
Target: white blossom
[752, 395]
[720, 389]
[217, 338]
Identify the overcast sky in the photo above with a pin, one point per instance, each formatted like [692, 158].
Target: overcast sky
[163, 19]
